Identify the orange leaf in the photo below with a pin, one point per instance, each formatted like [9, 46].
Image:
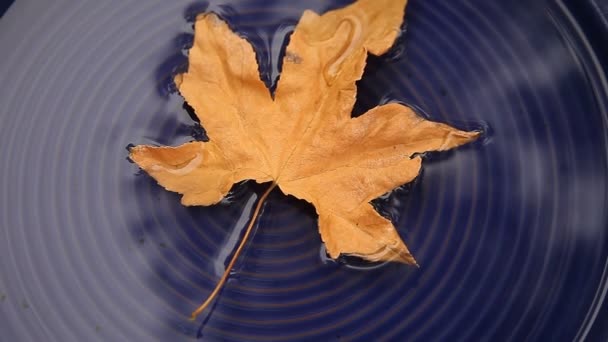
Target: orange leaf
[304, 139]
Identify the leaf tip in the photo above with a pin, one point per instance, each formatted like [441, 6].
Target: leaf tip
[476, 134]
[408, 259]
[178, 80]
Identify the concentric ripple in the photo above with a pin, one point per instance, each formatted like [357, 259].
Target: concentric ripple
[510, 232]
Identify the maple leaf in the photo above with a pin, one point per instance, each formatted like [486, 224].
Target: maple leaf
[304, 140]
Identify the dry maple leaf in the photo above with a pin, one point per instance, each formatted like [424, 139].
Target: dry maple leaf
[304, 140]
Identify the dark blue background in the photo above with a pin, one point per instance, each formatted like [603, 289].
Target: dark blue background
[510, 232]
[4, 5]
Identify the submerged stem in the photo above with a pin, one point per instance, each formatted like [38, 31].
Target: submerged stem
[238, 251]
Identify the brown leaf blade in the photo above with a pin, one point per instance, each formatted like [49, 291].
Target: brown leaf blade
[304, 139]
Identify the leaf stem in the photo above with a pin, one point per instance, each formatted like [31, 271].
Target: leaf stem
[236, 254]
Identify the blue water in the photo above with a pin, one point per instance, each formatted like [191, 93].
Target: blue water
[510, 232]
